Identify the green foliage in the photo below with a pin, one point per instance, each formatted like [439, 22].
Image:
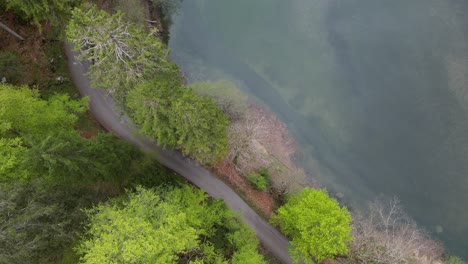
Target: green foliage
[10, 67]
[122, 53]
[71, 158]
[26, 114]
[200, 127]
[151, 102]
[25, 121]
[134, 65]
[163, 225]
[225, 94]
[318, 227]
[12, 153]
[38, 139]
[244, 246]
[455, 260]
[38, 221]
[260, 180]
[56, 12]
[179, 119]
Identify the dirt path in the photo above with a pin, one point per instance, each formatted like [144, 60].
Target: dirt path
[107, 113]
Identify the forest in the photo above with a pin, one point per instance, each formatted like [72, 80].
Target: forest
[72, 192]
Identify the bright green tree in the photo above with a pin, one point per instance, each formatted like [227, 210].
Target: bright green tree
[26, 118]
[121, 53]
[243, 245]
[25, 113]
[12, 153]
[164, 225]
[318, 226]
[57, 12]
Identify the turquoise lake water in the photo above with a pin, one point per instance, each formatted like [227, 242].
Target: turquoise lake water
[374, 91]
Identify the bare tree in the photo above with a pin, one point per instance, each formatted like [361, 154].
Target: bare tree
[260, 140]
[388, 235]
[11, 31]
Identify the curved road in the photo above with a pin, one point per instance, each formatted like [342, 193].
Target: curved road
[108, 114]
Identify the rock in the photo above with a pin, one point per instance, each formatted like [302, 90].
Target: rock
[4, 79]
[339, 195]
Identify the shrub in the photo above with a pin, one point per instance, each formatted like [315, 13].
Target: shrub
[260, 180]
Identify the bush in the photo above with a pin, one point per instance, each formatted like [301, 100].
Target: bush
[455, 260]
[260, 180]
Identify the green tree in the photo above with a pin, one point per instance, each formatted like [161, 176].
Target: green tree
[164, 225]
[25, 118]
[243, 244]
[150, 103]
[12, 153]
[455, 260]
[318, 227]
[177, 118]
[122, 53]
[57, 12]
[25, 113]
[200, 127]
[38, 220]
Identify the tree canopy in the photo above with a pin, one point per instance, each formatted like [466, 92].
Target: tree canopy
[318, 226]
[165, 225]
[177, 118]
[25, 119]
[121, 52]
[38, 139]
[23, 112]
[38, 220]
[57, 12]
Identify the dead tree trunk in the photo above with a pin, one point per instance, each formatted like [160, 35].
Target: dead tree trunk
[11, 31]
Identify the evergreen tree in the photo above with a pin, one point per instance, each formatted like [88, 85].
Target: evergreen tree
[121, 53]
[177, 118]
[56, 12]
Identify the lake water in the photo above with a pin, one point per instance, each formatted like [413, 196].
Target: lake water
[374, 91]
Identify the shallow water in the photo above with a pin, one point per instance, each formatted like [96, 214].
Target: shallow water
[374, 91]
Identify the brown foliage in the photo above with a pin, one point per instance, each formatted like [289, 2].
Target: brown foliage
[262, 200]
[388, 236]
[261, 140]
